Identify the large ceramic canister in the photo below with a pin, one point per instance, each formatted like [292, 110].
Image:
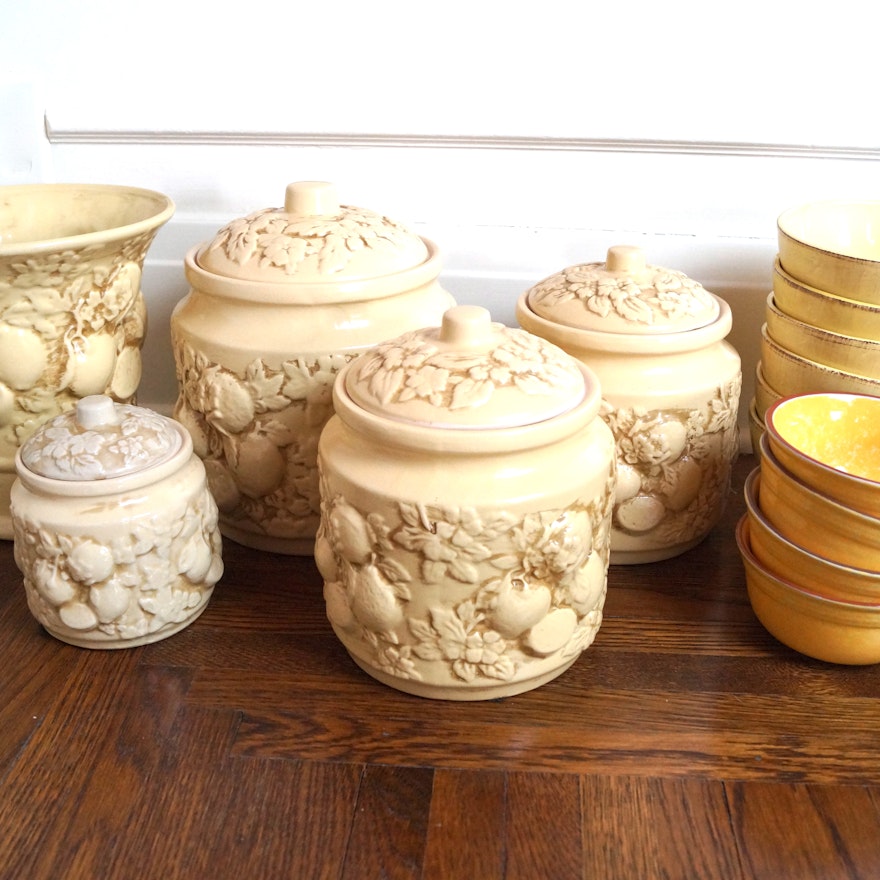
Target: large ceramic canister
[466, 492]
[116, 532]
[72, 313]
[670, 387]
[280, 300]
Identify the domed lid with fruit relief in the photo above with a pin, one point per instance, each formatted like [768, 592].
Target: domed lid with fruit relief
[99, 440]
[312, 239]
[624, 295]
[468, 373]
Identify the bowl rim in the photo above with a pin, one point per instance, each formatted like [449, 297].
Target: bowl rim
[819, 334]
[751, 493]
[832, 299]
[772, 430]
[743, 541]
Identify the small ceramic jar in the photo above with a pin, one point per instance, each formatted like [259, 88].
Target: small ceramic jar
[670, 386]
[466, 491]
[115, 530]
[280, 300]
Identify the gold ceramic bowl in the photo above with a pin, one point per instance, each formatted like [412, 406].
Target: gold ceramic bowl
[765, 396]
[836, 632]
[830, 442]
[791, 373]
[786, 559]
[833, 246]
[858, 356]
[813, 520]
[756, 425]
[838, 314]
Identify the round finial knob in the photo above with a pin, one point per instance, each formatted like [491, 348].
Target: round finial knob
[95, 411]
[311, 198]
[625, 259]
[467, 327]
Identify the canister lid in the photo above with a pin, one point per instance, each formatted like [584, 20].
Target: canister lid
[100, 439]
[470, 372]
[312, 239]
[624, 295]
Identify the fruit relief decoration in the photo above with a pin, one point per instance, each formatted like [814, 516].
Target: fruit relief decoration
[257, 433]
[674, 466]
[447, 593]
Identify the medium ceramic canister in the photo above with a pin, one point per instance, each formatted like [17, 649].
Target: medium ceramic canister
[670, 386]
[72, 313]
[466, 491]
[280, 300]
[116, 533]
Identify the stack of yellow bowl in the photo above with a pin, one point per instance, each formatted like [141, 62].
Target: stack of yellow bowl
[810, 537]
[822, 330]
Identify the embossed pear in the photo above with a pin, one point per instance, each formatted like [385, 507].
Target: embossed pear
[519, 607]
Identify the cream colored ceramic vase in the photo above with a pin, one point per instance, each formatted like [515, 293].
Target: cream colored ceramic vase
[466, 486]
[280, 300]
[72, 313]
[116, 532]
[670, 386]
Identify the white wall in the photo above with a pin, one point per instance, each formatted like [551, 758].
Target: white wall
[520, 137]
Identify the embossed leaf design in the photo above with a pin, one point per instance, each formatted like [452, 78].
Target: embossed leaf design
[336, 253]
[384, 385]
[471, 393]
[266, 388]
[285, 252]
[242, 244]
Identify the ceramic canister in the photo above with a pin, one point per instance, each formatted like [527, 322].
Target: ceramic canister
[670, 386]
[116, 532]
[466, 491]
[72, 313]
[280, 300]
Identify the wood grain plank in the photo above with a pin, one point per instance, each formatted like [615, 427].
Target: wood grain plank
[544, 830]
[672, 828]
[466, 831]
[805, 831]
[391, 824]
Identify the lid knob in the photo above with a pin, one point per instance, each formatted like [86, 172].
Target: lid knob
[625, 259]
[311, 198]
[96, 411]
[467, 327]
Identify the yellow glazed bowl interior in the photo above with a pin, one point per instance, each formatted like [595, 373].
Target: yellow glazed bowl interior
[848, 317]
[836, 632]
[787, 560]
[831, 442]
[813, 520]
[833, 246]
[850, 353]
[792, 374]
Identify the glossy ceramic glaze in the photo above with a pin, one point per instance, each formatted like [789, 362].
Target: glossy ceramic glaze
[670, 387]
[861, 357]
[813, 520]
[72, 314]
[467, 484]
[116, 533]
[848, 317]
[836, 632]
[790, 561]
[791, 374]
[756, 425]
[765, 396]
[833, 246]
[830, 442]
[280, 300]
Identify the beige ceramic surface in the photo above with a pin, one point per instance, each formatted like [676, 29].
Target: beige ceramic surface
[280, 301]
[791, 374]
[765, 396]
[860, 357]
[72, 313]
[822, 309]
[836, 632]
[465, 554]
[792, 562]
[830, 442]
[670, 386]
[116, 533]
[833, 246]
[814, 521]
